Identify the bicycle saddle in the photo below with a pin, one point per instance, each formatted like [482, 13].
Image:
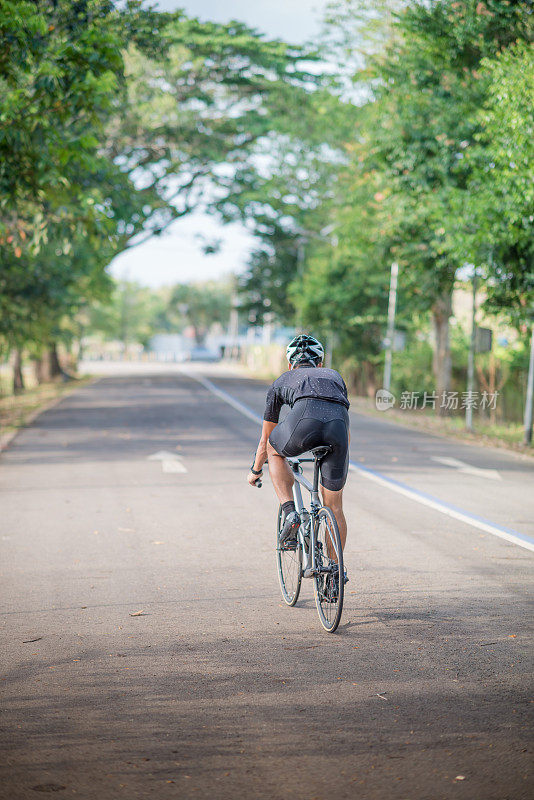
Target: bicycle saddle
[321, 452]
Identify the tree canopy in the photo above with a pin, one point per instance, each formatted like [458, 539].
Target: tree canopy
[404, 134]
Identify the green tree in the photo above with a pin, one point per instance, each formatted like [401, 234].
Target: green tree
[131, 314]
[419, 74]
[194, 113]
[430, 90]
[285, 195]
[200, 305]
[111, 142]
[60, 68]
[500, 197]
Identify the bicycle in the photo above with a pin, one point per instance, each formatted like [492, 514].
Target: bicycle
[318, 554]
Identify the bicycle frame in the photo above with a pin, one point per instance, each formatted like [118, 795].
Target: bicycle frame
[307, 517]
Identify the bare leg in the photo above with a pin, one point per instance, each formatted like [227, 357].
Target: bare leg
[281, 475]
[334, 500]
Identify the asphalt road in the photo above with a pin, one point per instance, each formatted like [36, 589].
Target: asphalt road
[217, 689]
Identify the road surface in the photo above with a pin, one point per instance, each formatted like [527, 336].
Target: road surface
[147, 653]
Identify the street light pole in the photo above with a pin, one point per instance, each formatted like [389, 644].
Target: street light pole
[530, 393]
[391, 324]
[471, 359]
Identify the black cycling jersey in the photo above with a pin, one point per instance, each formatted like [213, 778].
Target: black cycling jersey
[317, 382]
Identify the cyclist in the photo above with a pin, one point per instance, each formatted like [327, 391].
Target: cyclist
[319, 416]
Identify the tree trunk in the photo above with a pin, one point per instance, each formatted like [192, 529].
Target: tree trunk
[369, 376]
[55, 367]
[37, 369]
[47, 367]
[42, 368]
[18, 378]
[441, 313]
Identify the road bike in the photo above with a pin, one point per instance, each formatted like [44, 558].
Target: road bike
[318, 554]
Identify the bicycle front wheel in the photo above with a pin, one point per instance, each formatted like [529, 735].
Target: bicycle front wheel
[329, 579]
[289, 566]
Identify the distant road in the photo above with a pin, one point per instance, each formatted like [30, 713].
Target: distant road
[146, 651]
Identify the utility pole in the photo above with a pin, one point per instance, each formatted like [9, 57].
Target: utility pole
[471, 358]
[530, 392]
[233, 329]
[390, 336]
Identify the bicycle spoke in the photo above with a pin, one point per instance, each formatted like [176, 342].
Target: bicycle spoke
[329, 564]
[289, 564]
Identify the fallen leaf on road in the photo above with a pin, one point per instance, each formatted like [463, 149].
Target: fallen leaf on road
[460, 778]
[138, 613]
[157, 542]
[27, 641]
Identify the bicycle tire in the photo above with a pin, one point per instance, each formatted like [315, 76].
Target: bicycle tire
[327, 538]
[289, 563]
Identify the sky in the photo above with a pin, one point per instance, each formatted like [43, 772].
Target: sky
[176, 256]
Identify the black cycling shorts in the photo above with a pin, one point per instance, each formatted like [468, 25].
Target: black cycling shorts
[312, 423]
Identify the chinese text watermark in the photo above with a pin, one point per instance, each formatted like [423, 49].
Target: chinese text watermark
[450, 401]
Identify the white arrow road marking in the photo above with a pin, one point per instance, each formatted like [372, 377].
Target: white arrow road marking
[173, 466]
[163, 455]
[170, 462]
[492, 474]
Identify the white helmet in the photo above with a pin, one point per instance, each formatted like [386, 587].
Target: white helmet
[304, 348]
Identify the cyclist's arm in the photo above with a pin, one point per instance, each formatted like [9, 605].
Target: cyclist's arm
[261, 452]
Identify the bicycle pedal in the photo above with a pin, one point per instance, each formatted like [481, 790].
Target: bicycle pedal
[290, 545]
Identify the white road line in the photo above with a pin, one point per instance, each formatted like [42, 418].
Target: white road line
[444, 508]
[508, 534]
[247, 412]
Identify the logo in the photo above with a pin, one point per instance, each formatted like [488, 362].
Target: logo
[384, 400]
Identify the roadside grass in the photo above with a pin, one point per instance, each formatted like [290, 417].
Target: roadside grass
[508, 435]
[16, 410]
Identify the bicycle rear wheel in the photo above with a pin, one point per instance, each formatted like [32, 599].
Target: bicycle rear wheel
[329, 579]
[289, 566]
